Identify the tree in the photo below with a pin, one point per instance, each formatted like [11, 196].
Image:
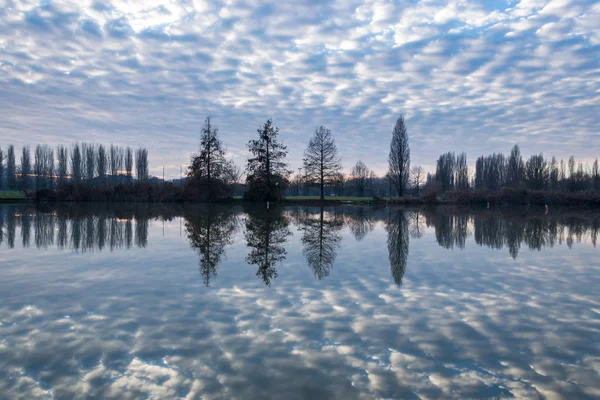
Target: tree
[515, 169]
[25, 167]
[115, 160]
[444, 173]
[1, 169]
[76, 164]
[461, 171]
[418, 175]
[43, 166]
[554, 174]
[141, 164]
[266, 170]
[536, 172]
[360, 176]
[208, 169]
[89, 163]
[321, 160]
[11, 168]
[63, 161]
[321, 238]
[596, 175]
[128, 162]
[101, 162]
[399, 157]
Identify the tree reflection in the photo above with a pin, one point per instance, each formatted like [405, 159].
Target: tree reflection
[397, 242]
[321, 239]
[520, 227]
[209, 231]
[266, 234]
[360, 220]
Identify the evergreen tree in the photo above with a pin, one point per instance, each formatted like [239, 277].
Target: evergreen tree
[266, 170]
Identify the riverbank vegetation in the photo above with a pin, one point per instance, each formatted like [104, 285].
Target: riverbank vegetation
[95, 172]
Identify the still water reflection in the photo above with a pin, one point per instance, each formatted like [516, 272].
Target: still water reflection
[139, 301]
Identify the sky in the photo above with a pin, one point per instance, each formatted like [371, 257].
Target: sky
[473, 76]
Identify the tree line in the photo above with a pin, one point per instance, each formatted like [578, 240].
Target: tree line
[88, 163]
[211, 176]
[496, 171]
[268, 177]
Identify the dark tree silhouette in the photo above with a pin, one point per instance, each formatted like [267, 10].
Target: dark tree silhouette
[536, 172]
[321, 160]
[76, 163]
[397, 242]
[62, 169]
[596, 175]
[11, 168]
[361, 175]
[266, 234]
[209, 171]
[515, 168]
[209, 230]
[399, 157]
[1, 169]
[128, 162]
[25, 167]
[266, 170]
[418, 175]
[141, 164]
[360, 221]
[444, 173]
[321, 239]
[101, 162]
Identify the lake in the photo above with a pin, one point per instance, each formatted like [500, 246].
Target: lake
[186, 302]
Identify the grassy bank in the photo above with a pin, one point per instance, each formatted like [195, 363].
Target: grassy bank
[12, 196]
[166, 193]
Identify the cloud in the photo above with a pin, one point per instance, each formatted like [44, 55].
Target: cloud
[149, 73]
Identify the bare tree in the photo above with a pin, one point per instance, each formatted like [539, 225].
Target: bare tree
[11, 168]
[116, 160]
[461, 171]
[76, 163]
[515, 168]
[89, 154]
[128, 162]
[1, 169]
[321, 160]
[25, 167]
[62, 155]
[43, 166]
[141, 164]
[536, 172]
[399, 157]
[554, 174]
[444, 173]
[101, 162]
[418, 174]
[596, 175]
[360, 176]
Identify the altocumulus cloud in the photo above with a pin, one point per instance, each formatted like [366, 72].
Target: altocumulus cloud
[468, 75]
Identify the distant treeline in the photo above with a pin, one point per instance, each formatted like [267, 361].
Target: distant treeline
[497, 171]
[83, 163]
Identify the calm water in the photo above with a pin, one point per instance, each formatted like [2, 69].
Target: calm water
[134, 301]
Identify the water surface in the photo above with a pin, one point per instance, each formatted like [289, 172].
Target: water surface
[174, 302]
